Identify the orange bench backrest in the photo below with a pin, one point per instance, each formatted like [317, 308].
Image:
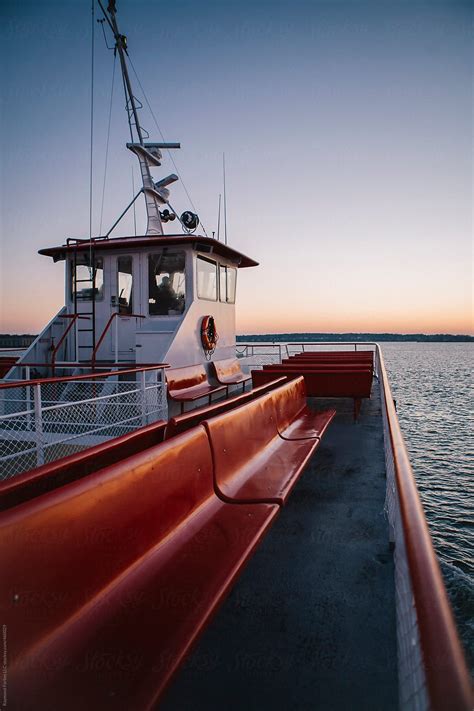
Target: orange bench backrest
[369, 355]
[183, 422]
[227, 368]
[239, 435]
[320, 365]
[49, 476]
[289, 400]
[80, 537]
[183, 378]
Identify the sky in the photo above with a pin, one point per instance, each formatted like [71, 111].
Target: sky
[347, 132]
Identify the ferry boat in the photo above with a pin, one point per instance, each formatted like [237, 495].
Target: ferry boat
[194, 523]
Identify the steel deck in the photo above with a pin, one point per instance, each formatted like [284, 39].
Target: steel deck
[311, 622]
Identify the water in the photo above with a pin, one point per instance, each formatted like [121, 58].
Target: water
[432, 385]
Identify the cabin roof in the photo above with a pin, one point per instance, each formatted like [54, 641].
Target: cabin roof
[199, 243]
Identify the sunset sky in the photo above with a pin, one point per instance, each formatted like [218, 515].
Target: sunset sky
[347, 132]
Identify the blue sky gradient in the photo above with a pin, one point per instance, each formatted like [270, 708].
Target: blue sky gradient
[347, 132]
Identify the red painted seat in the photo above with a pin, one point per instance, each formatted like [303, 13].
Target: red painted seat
[228, 372]
[183, 422]
[294, 418]
[252, 462]
[319, 365]
[334, 355]
[189, 384]
[328, 382]
[67, 469]
[107, 582]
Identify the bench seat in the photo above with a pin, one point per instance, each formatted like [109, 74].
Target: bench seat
[228, 372]
[186, 420]
[108, 581]
[295, 420]
[26, 486]
[252, 461]
[324, 382]
[319, 365]
[189, 384]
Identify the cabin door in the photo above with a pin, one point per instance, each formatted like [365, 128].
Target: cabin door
[125, 326]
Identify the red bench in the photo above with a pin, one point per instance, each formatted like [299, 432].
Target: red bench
[108, 581]
[334, 355]
[253, 462]
[294, 418]
[183, 422]
[50, 476]
[318, 365]
[327, 382]
[228, 372]
[189, 384]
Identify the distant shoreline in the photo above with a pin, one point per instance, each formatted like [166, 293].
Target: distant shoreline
[13, 340]
[356, 337]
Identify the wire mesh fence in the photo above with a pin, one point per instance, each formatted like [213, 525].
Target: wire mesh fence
[44, 421]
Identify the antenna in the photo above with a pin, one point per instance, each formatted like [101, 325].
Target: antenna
[225, 200]
[219, 218]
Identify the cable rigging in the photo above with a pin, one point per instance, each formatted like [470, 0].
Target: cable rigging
[107, 145]
[164, 141]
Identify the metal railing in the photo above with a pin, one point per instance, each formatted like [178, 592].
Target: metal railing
[73, 319]
[114, 317]
[46, 419]
[432, 670]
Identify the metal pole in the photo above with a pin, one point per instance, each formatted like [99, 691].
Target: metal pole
[124, 212]
[120, 45]
[143, 397]
[38, 425]
[117, 319]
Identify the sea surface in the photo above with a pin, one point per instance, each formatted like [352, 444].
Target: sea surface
[432, 384]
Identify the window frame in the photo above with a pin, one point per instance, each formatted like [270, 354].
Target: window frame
[161, 253]
[216, 265]
[117, 272]
[73, 275]
[225, 269]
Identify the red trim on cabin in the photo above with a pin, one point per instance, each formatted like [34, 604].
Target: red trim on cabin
[209, 246]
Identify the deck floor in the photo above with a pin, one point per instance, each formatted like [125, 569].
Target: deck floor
[311, 622]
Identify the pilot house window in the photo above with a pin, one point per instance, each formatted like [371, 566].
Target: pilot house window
[87, 281]
[125, 284]
[228, 279]
[206, 279]
[166, 283]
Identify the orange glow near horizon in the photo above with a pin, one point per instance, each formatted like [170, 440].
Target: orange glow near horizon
[277, 318]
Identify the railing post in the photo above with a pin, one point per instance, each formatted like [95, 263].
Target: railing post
[76, 339]
[116, 338]
[142, 375]
[38, 425]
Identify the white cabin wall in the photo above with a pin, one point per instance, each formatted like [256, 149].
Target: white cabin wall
[186, 347]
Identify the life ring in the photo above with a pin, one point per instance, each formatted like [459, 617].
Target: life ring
[209, 335]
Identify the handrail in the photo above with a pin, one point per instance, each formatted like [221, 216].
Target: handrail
[85, 376]
[107, 326]
[74, 318]
[445, 667]
[446, 673]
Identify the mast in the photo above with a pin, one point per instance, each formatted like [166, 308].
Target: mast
[148, 154]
